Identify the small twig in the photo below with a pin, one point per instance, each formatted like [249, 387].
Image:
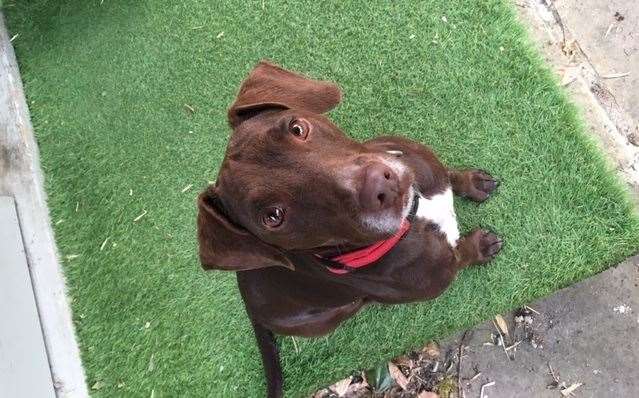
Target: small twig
[77, 206]
[569, 390]
[104, 243]
[609, 29]
[297, 349]
[615, 75]
[138, 218]
[189, 108]
[186, 188]
[475, 377]
[419, 378]
[503, 342]
[557, 17]
[14, 37]
[459, 363]
[533, 310]
[581, 50]
[481, 393]
[552, 373]
[513, 346]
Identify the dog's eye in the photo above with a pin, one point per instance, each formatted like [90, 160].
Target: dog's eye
[273, 217]
[299, 129]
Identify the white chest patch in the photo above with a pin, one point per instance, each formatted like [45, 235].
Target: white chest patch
[439, 210]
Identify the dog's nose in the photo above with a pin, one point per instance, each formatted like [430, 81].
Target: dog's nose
[380, 188]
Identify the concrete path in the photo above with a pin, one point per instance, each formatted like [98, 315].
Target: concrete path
[588, 334]
[593, 47]
[21, 179]
[24, 367]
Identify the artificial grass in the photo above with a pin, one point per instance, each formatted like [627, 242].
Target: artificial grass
[107, 83]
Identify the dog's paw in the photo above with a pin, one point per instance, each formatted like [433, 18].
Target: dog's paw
[488, 245]
[482, 185]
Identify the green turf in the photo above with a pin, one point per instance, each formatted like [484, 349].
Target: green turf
[107, 83]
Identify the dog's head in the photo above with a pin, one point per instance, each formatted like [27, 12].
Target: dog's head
[292, 180]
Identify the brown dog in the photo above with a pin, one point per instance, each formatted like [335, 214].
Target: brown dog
[317, 225]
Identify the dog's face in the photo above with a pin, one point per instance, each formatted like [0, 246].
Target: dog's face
[292, 180]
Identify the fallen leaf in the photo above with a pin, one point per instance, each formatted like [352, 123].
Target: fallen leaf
[568, 390]
[431, 350]
[397, 375]
[448, 387]
[341, 386]
[404, 360]
[379, 378]
[97, 385]
[362, 383]
[503, 326]
[323, 393]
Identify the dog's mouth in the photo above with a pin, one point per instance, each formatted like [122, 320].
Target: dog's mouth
[386, 222]
[386, 198]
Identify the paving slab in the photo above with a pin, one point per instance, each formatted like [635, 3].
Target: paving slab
[608, 32]
[595, 53]
[587, 333]
[24, 367]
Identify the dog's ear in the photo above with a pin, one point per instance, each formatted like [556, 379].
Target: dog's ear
[270, 87]
[226, 246]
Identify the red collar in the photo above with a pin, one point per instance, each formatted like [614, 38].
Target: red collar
[360, 258]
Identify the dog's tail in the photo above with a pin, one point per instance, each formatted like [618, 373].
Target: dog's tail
[270, 359]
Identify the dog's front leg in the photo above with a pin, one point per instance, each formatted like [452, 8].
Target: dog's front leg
[270, 360]
[478, 247]
[473, 184]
